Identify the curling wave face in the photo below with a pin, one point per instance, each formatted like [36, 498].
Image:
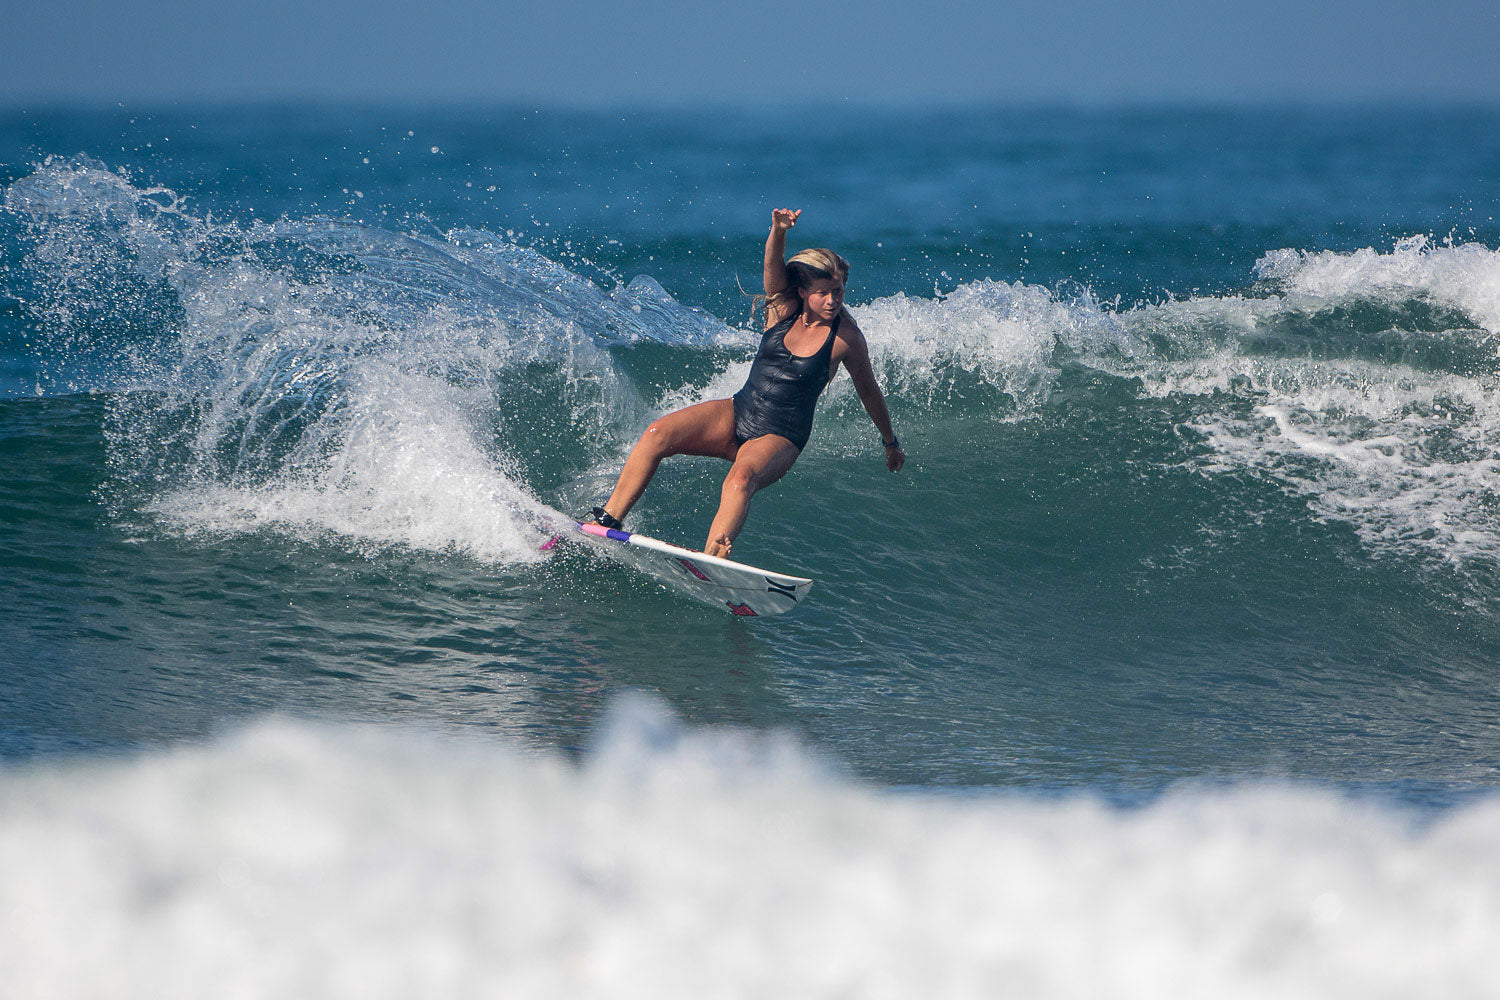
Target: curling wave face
[436, 391]
[317, 376]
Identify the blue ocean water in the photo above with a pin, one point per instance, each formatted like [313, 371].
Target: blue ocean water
[1166, 667]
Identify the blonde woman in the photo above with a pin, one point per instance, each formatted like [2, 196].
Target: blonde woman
[766, 425]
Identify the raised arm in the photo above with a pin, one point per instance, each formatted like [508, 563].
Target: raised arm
[857, 361]
[774, 271]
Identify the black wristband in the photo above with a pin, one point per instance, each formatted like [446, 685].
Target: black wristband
[894, 442]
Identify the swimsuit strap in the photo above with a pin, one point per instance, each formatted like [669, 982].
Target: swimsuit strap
[826, 345]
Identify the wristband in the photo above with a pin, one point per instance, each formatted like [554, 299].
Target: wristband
[894, 442]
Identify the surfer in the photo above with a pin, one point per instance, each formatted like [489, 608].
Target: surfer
[765, 426]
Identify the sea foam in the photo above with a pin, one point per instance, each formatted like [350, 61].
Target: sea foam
[299, 859]
[323, 378]
[1364, 383]
[1383, 415]
[1464, 275]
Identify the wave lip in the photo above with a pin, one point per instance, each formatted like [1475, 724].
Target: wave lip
[322, 377]
[1465, 275]
[292, 859]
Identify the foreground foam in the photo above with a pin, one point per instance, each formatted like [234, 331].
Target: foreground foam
[295, 859]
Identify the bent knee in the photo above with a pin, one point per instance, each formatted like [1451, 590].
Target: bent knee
[658, 439]
[742, 479]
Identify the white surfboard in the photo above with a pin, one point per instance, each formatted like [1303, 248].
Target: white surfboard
[738, 588]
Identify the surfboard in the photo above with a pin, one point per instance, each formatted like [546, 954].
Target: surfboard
[742, 590]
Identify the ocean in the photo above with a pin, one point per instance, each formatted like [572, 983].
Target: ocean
[1167, 667]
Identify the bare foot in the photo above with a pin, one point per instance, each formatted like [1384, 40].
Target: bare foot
[720, 547]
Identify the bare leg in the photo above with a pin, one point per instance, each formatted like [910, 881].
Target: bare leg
[701, 429]
[760, 462]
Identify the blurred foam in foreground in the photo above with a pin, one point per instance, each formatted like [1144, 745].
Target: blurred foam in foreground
[301, 859]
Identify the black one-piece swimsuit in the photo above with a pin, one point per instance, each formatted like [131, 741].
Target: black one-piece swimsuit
[782, 391]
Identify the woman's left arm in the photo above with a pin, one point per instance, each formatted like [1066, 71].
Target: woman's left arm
[857, 360]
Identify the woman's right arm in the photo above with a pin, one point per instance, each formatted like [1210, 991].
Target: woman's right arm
[774, 271]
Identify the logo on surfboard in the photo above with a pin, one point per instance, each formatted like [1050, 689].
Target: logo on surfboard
[772, 587]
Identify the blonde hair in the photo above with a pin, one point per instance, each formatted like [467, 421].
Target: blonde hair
[802, 270]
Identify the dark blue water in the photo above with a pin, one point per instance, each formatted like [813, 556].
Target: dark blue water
[1200, 414]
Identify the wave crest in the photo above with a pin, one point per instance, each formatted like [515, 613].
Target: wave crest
[319, 375]
[322, 376]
